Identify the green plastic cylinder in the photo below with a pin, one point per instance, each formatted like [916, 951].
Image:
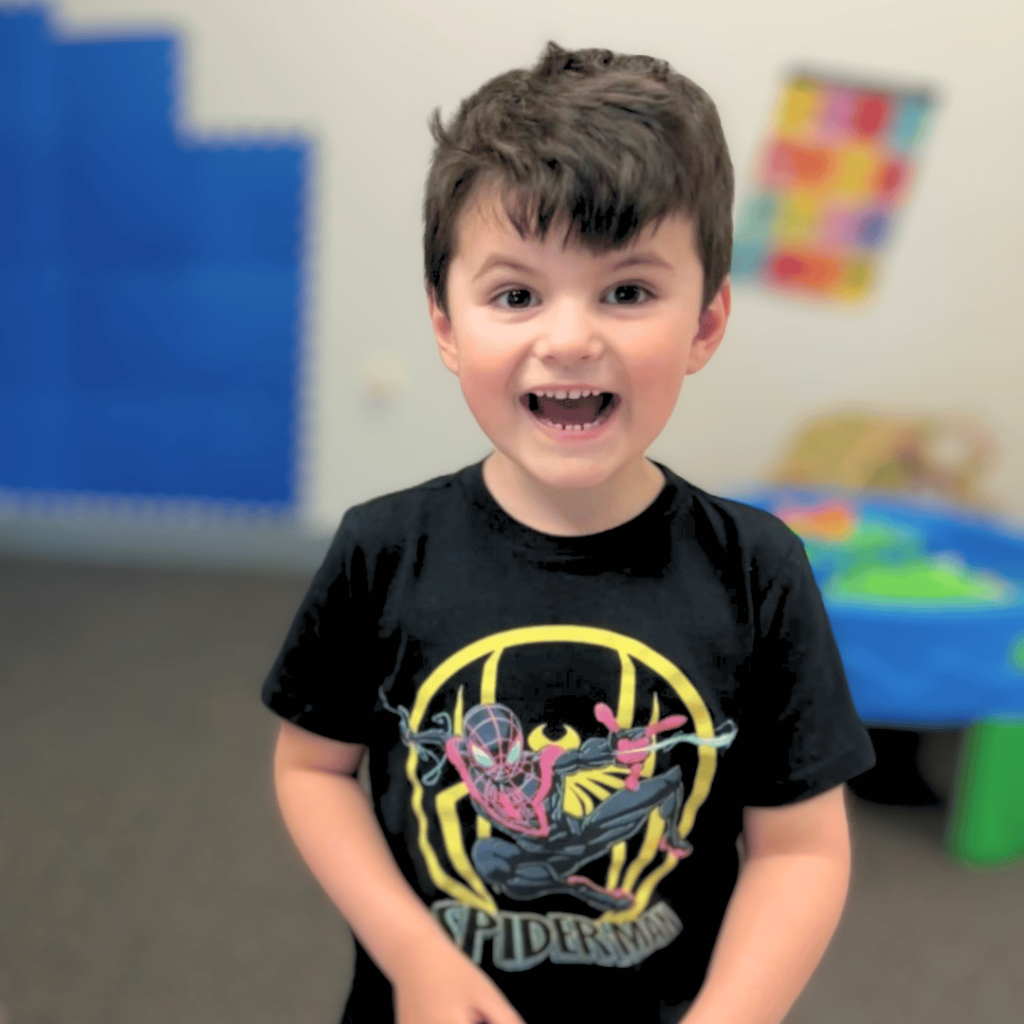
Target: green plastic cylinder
[986, 826]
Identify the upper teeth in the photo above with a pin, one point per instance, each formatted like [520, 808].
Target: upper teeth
[566, 394]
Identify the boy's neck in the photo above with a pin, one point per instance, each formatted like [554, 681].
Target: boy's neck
[561, 513]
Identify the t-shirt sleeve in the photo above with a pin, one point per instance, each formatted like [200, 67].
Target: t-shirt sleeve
[323, 678]
[806, 736]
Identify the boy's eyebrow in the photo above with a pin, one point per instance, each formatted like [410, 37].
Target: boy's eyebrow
[642, 259]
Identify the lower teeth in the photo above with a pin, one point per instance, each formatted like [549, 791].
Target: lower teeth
[569, 429]
[573, 428]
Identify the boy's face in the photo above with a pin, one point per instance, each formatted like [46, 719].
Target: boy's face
[570, 320]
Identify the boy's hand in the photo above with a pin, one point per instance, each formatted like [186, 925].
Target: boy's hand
[439, 985]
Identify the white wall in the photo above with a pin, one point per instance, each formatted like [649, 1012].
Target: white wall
[943, 332]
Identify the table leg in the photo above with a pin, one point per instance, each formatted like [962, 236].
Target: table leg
[985, 827]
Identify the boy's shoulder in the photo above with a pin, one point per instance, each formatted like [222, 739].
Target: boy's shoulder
[389, 516]
[738, 528]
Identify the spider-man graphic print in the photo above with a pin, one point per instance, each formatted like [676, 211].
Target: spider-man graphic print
[543, 848]
[523, 793]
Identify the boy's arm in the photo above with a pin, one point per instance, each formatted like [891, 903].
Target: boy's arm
[784, 910]
[332, 823]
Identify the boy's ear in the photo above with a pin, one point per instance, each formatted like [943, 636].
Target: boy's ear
[711, 328]
[442, 332]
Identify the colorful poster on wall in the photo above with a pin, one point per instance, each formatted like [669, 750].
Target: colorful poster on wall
[830, 180]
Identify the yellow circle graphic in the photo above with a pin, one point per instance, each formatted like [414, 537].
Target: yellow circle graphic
[463, 883]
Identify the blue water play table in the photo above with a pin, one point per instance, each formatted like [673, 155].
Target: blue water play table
[927, 605]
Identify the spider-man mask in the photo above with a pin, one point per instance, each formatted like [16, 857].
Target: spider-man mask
[494, 740]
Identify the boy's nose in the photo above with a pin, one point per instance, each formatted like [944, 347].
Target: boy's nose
[571, 332]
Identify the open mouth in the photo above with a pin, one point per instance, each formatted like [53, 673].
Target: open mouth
[575, 414]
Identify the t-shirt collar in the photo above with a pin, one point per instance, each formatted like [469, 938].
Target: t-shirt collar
[619, 541]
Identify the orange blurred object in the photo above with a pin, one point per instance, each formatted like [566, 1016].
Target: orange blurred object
[832, 521]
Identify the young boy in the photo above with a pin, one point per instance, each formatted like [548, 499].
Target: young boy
[578, 678]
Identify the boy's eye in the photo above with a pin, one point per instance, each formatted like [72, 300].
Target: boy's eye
[517, 295]
[630, 289]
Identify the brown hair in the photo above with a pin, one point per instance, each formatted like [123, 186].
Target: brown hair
[617, 141]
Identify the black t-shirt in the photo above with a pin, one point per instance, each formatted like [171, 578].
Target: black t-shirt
[563, 731]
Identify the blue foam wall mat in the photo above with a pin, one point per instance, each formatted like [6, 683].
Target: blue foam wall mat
[149, 287]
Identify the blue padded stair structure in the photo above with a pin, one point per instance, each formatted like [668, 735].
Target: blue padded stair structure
[149, 287]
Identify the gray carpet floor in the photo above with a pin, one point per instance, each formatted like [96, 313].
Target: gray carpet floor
[146, 878]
